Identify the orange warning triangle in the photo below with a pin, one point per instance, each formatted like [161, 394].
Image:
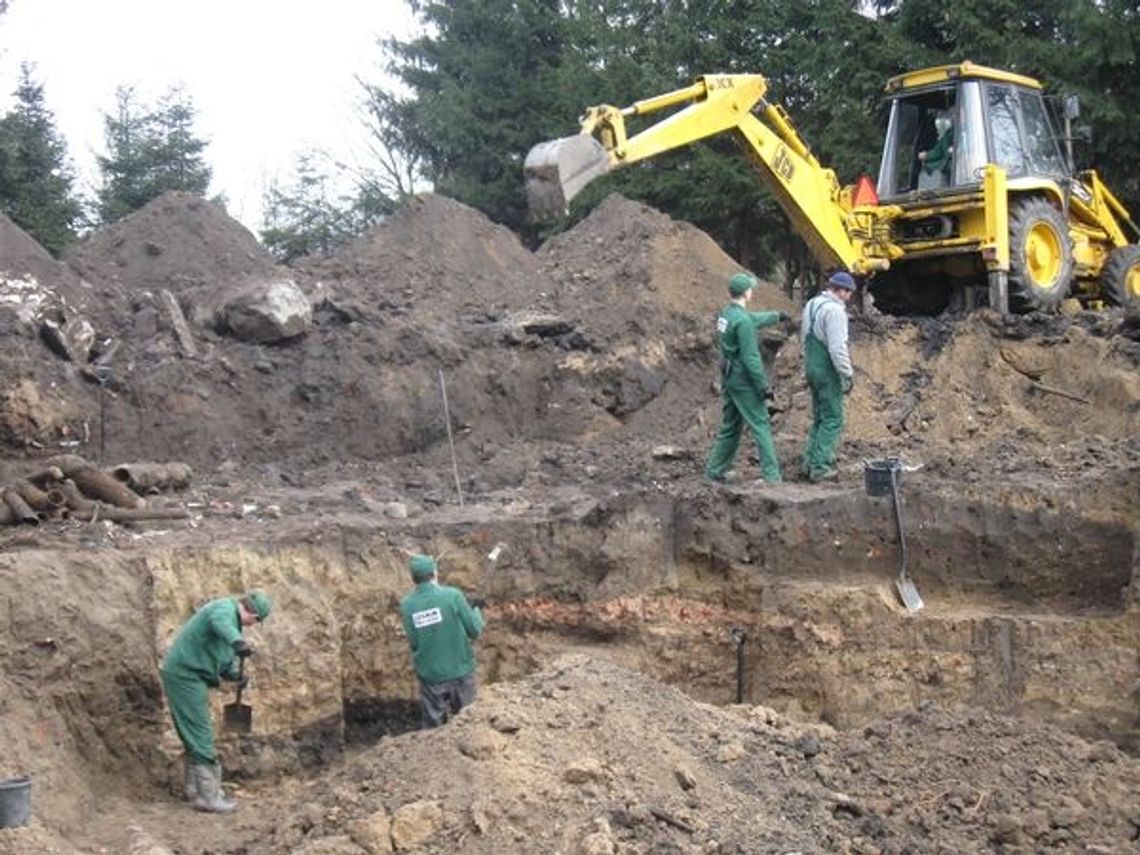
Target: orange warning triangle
[864, 192]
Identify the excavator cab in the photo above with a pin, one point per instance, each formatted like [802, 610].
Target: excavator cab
[986, 121]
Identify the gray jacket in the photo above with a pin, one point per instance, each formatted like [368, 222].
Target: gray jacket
[830, 327]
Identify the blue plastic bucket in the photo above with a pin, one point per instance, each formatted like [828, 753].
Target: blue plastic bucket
[15, 802]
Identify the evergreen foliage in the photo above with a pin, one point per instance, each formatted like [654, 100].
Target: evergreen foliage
[36, 178]
[150, 150]
[306, 217]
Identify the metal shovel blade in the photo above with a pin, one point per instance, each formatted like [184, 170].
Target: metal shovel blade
[908, 593]
[556, 170]
[238, 717]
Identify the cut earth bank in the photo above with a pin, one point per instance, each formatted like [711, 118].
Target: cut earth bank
[582, 405]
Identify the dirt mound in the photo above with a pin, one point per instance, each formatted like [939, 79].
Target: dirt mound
[37, 389]
[178, 241]
[587, 757]
[435, 255]
[628, 270]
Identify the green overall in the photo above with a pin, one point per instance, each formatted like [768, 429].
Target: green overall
[440, 625]
[826, 404]
[744, 386]
[938, 158]
[202, 654]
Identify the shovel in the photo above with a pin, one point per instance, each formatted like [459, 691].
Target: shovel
[908, 593]
[238, 717]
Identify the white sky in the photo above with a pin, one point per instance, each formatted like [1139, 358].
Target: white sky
[268, 78]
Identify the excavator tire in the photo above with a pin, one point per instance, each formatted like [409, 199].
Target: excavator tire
[1040, 255]
[1120, 279]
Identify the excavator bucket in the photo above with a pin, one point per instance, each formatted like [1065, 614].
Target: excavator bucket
[556, 170]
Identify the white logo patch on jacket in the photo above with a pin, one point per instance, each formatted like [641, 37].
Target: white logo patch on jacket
[427, 617]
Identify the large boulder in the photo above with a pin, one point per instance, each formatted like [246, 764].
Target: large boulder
[263, 312]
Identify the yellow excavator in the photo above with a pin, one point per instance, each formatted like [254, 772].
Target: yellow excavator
[976, 202]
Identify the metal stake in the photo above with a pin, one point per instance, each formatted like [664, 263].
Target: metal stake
[739, 637]
[450, 441]
[103, 374]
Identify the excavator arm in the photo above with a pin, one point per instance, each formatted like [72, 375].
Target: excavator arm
[557, 170]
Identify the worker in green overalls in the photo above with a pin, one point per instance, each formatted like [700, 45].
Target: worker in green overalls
[830, 375]
[744, 383]
[207, 650]
[440, 625]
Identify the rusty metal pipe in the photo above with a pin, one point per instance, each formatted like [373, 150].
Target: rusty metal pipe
[97, 484]
[36, 498]
[51, 475]
[19, 507]
[73, 498]
[116, 514]
[151, 477]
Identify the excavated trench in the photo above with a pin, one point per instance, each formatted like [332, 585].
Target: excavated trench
[779, 596]
[782, 597]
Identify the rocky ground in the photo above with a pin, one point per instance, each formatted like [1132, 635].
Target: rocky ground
[574, 376]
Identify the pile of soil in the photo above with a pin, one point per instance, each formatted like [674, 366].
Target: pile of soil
[433, 258]
[583, 357]
[179, 242]
[587, 757]
[629, 272]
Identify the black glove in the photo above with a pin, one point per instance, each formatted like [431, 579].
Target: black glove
[784, 317]
[242, 648]
[477, 602]
[848, 383]
[241, 682]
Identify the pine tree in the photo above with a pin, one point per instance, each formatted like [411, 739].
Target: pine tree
[150, 151]
[304, 217]
[36, 178]
[124, 166]
[175, 151]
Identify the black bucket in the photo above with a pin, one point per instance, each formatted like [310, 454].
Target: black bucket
[15, 802]
[877, 475]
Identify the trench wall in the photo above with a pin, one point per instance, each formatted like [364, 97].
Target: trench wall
[1029, 612]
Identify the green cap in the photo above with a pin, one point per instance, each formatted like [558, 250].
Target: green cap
[740, 283]
[422, 566]
[260, 603]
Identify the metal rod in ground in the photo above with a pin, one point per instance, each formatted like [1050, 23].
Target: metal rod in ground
[739, 637]
[450, 440]
[102, 419]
